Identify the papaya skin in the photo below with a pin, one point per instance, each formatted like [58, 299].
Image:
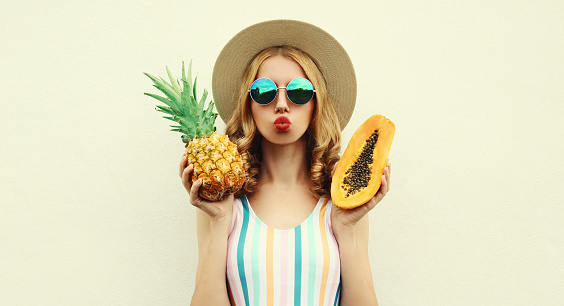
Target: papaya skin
[386, 130]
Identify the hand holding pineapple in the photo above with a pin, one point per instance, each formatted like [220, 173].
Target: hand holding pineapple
[214, 159]
[218, 212]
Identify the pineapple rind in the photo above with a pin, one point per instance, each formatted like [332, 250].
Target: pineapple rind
[217, 162]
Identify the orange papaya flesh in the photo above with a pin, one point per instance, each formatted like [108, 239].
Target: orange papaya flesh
[358, 175]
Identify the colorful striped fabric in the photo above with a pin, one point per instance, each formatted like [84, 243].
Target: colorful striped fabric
[267, 266]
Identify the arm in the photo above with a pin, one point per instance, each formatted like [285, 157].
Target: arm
[351, 231]
[211, 288]
[214, 222]
[357, 286]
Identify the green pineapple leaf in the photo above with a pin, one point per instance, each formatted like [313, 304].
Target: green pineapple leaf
[165, 110]
[194, 87]
[173, 81]
[162, 99]
[183, 106]
[203, 99]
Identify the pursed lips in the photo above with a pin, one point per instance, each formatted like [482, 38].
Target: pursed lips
[282, 123]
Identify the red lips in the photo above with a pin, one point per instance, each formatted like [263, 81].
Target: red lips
[282, 123]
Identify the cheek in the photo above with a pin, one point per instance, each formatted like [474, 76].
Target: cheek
[258, 113]
[255, 111]
[313, 108]
[309, 109]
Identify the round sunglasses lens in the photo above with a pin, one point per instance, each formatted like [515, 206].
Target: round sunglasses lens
[300, 91]
[263, 91]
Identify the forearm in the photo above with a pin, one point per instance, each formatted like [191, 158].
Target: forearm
[357, 286]
[211, 288]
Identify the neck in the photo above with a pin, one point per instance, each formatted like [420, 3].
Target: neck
[284, 165]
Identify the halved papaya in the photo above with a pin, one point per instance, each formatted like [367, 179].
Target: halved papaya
[358, 175]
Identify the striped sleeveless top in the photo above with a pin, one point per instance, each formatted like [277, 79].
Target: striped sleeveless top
[298, 266]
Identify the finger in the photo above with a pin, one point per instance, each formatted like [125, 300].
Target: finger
[200, 203]
[372, 203]
[389, 172]
[384, 185]
[187, 176]
[183, 162]
[194, 197]
[387, 178]
[368, 206]
[334, 168]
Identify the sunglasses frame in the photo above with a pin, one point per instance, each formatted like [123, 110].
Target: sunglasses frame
[278, 88]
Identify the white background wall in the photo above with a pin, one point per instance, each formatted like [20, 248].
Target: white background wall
[91, 207]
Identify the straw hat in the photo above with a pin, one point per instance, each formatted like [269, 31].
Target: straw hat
[326, 51]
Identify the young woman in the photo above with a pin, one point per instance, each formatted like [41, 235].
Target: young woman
[287, 88]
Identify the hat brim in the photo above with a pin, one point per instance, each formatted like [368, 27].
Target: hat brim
[326, 51]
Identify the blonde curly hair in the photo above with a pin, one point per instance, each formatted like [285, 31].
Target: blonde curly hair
[323, 134]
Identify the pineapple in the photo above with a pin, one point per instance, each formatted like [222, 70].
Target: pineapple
[215, 158]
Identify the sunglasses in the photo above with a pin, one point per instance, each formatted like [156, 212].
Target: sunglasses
[299, 91]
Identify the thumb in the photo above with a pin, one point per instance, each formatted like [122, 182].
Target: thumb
[334, 168]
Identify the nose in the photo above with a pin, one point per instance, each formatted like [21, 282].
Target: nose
[281, 102]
